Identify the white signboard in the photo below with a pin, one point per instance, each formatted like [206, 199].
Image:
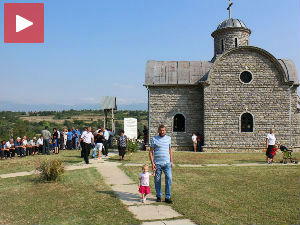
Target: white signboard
[130, 127]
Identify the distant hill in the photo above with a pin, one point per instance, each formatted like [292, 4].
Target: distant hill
[16, 107]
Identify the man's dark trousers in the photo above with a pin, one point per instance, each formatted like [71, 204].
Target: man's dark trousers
[73, 142]
[46, 146]
[69, 144]
[86, 151]
[105, 151]
[82, 144]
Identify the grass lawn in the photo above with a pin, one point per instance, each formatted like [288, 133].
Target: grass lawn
[28, 163]
[81, 197]
[205, 158]
[235, 195]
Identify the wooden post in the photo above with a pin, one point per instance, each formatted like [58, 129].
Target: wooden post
[112, 120]
[105, 118]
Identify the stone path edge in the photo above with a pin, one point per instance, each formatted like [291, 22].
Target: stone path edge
[83, 166]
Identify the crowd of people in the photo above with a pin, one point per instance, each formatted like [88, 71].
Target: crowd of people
[100, 140]
[48, 142]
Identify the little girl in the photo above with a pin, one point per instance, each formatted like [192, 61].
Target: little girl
[144, 182]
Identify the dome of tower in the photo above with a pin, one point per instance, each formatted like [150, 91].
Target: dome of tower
[231, 23]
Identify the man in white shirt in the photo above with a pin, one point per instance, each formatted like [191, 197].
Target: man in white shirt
[11, 146]
[33, 145]
[39, 143]
[8, 144]
[58, 139]
[86, 138]
[26, 146]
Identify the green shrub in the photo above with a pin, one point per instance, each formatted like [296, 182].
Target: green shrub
[133, 145]
[50, 170]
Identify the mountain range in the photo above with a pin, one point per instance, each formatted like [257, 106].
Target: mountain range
[18, 107]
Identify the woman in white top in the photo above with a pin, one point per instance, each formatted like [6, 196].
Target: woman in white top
[194, 140]
[270, 142]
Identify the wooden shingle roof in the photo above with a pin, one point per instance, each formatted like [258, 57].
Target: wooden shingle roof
[162, 73]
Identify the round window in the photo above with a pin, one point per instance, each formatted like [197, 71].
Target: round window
[246, 77]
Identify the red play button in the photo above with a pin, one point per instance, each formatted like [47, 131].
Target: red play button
[24, 22]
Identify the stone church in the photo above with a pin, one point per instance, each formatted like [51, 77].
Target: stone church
[232, 100]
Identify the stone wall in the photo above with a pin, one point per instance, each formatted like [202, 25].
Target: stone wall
[166, 102]
[229, 35]
[295, 121]
[266, 98]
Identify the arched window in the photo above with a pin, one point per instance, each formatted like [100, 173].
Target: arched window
[236, 42]
[246, 122]
[222, 45]
[179, 123]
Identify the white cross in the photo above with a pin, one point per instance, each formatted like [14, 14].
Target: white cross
[229, 8]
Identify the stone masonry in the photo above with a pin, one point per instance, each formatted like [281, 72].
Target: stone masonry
[166, 102]
[212, 97]
[266, 98]
[241, 34]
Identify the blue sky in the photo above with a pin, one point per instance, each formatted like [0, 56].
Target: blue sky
[95, 48]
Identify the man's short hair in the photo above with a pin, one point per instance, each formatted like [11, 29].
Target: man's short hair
[161, 127]
[46, 127]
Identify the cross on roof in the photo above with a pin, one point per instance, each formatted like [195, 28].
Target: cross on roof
[229, 8]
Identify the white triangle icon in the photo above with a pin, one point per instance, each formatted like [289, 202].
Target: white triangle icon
[22, 23]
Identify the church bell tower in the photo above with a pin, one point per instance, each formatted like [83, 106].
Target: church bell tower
[231, 33]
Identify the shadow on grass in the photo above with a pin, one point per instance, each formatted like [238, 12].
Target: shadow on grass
[248, 161]
[37, 179]
[71, 156]
[72, 162]
[112, 159]
[110, 193]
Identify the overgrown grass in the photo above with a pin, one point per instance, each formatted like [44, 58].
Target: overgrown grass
[235, 195]
[29, 163]
[205, 158]
[50, 170]
[81, 197]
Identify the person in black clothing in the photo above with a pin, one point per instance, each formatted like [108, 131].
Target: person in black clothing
[55, 140]
[80, 141]
[199, 142]
[99, 140]
[145, 132]
[62, 145]
[122, 144]
[139, 134]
